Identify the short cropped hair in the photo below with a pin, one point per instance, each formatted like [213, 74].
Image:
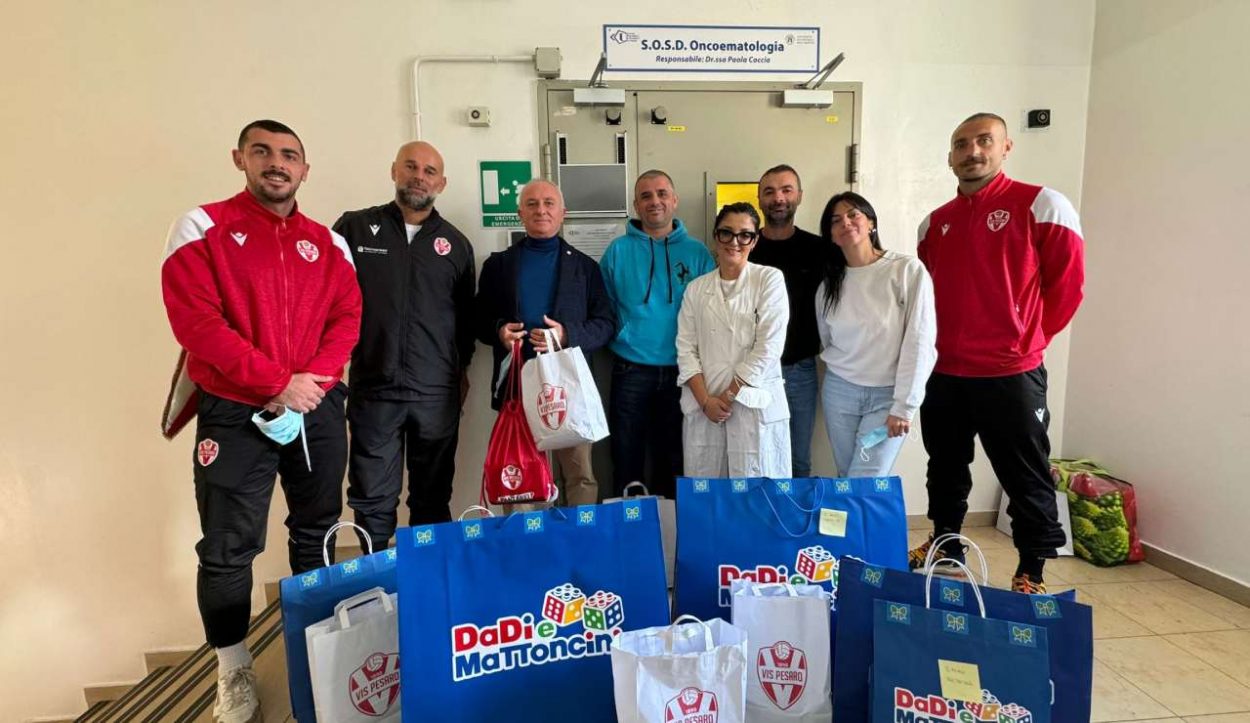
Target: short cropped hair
[782, 168]
[655, 173]
[985, 115]
[272, 126]
[539, 182]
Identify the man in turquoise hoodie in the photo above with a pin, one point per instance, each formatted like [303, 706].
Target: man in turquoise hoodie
[646, 272]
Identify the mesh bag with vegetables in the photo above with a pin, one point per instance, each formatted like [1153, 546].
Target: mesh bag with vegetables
[1104, 513]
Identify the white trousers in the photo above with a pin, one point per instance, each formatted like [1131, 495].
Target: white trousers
[744, 446]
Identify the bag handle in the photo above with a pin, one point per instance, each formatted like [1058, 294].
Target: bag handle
[553, 341]
[820, 481]
[325, 542]
[671, 632]
[814, 514]
[645, 492]
[790, 591]
[553, 509]
[928, 582]
[475, 508]
[954, 536]
[1079, 465]
[361, 599]
[514, 371]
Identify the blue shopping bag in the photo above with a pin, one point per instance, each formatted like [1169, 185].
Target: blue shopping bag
[512, 618]
[1069, 626]
[780, 530]
[310, 597]
[942, 665]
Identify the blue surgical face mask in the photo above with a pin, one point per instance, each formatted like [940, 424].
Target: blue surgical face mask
[871, 439]
[284, 428]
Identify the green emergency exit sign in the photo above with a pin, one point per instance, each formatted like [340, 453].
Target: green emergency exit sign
[501, 183]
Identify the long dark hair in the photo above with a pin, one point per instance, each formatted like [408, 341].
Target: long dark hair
[835, 260]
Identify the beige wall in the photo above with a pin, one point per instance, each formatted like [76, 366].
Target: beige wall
[1160, 353]
[118, 117]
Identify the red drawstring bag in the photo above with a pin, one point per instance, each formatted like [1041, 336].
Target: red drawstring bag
[515, 471]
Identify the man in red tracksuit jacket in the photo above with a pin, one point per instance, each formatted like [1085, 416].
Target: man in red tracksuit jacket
[264, 302]
[1008, 263]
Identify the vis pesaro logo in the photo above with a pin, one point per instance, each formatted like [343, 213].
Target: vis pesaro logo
[812, 565]
[374, 686]
[782, 672]
[517, 641]
[553, 406]
[911, 707]
[692, 705]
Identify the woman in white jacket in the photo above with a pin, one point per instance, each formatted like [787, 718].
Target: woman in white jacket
[874, 311]
[730, 333]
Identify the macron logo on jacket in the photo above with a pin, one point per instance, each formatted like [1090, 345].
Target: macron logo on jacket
[1008, 267]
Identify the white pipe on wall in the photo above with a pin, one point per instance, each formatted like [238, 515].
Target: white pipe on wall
[416, 76]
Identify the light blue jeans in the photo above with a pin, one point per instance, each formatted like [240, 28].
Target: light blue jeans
[852, 411]
[800, 378]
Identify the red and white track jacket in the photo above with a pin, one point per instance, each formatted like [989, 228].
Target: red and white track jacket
[1008, 264]
[254, 298]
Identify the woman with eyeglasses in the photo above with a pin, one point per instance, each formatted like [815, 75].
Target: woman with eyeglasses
[730, 333]
[878, 330]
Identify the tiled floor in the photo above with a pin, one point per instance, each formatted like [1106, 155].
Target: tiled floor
[1165, 650]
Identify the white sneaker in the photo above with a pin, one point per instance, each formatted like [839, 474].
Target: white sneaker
[237, 699]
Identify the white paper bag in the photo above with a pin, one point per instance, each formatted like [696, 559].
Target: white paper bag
[668, 524]
[1065, 519]
[561, 401]
[787, 627]
[353, 660]
[691, 673]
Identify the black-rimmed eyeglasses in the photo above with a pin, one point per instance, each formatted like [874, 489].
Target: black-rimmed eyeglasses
[743, 238]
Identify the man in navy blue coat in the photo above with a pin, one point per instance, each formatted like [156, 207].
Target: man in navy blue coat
[543, 283]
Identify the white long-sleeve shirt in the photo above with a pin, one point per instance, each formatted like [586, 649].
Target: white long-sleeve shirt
[883, 330]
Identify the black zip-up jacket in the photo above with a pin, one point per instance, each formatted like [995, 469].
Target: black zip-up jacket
[580, 303]
[416, 329]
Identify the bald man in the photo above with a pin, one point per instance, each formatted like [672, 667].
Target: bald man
[408, 380]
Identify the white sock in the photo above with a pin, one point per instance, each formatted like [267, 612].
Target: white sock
[233, 656]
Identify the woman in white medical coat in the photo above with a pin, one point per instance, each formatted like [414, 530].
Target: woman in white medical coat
[730, 333]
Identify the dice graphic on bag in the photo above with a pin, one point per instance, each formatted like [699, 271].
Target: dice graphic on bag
[603, 611]
[815, 563]
[563, 605]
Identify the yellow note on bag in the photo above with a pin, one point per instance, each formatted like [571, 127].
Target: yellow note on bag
[960, 681]
[832, 522]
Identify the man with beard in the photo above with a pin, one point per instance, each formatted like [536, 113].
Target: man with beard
[1008, 263]
[801, 258]
[264, 302]
[408, 374]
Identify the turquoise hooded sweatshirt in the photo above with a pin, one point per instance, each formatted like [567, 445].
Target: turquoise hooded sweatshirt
[645, 280]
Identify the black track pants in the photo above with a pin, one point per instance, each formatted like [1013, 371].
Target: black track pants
[235, 468]
[1011, 417]
[384, 434]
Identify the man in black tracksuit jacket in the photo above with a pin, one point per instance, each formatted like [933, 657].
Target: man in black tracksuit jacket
[407, 378]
